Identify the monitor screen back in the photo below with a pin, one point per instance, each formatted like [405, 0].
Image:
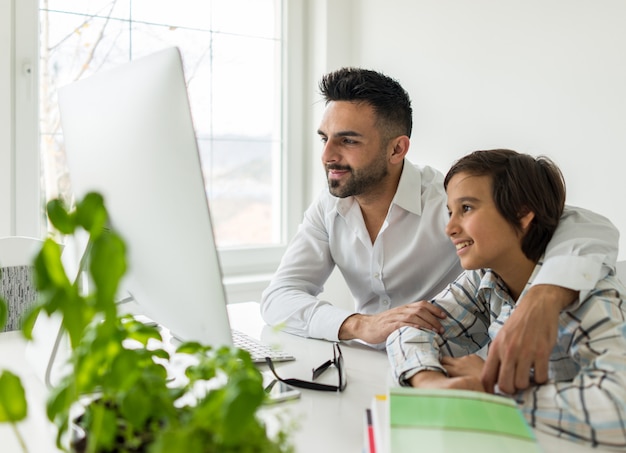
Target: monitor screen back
[129, 136]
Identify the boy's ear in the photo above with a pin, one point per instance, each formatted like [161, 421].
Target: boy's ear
[525, 219]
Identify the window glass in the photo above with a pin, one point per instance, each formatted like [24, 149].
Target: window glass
[232, 65]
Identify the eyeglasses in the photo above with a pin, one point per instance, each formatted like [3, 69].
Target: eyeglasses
[337, 360]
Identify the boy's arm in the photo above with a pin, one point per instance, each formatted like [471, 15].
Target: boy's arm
[582, 251]
[465, 331]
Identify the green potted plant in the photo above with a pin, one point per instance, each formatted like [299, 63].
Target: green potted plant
[119, 396]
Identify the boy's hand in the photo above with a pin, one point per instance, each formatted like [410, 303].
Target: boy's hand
[469, 365]
[437, 380]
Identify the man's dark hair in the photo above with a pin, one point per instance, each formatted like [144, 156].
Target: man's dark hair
[390, 101]
[520, 183]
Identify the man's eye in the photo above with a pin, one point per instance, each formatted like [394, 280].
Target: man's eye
[323, 139]
[349, 141]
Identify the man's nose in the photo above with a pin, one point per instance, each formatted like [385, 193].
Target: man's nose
[329, 153]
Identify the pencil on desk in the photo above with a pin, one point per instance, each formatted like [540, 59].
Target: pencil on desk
[370, 431]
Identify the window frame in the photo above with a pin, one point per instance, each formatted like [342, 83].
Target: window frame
[6, 118]
[246, 270]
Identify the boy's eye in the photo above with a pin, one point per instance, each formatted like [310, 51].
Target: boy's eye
[466, 208]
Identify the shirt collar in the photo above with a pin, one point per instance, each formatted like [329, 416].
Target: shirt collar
[491, 280]
[408, 194]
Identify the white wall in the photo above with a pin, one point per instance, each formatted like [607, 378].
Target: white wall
[538, 76]
[329, 40]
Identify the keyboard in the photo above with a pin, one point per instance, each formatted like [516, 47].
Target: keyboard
[258, 351]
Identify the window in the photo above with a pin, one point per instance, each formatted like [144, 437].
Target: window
[233, 70]
[235, 55]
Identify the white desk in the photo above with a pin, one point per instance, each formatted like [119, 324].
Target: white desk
[333, 422]
[328, 422]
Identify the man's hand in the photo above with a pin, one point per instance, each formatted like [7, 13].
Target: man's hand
[375, 329]
[437, 380]
[526, 340]
[469, 365]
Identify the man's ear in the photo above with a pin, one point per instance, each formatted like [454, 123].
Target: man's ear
[399, 148]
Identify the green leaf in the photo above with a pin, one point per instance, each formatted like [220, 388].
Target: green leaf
[141, 332]
[107, 266]
[74, 321]
[60, 217]
[60, 399]
[102, 429]
[137, 407]
[13, 406]
[91, 213]
[58, 407]
[190, 347]
[49, 270]
[186, 439]
[28, 323]
[124, 370]
[242, 398]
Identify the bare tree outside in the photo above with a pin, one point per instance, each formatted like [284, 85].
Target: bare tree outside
[232, 66]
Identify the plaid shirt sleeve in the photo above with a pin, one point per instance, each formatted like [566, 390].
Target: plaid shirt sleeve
[585, 398]
[412, 350]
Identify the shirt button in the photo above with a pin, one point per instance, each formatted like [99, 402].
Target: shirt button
[376, 275]
[385, 302]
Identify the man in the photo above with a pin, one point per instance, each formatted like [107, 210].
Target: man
[382, 223]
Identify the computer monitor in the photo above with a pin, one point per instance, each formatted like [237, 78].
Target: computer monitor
[129, 136]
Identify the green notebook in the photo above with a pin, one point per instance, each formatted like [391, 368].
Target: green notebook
[456, 421]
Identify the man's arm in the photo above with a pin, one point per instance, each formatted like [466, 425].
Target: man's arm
[375, 329]
[526, 340]
[582, 251]
[290, 300]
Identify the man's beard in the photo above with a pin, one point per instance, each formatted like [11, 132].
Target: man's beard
[358, 181]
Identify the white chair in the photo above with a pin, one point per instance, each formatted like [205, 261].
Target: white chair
[16, 277]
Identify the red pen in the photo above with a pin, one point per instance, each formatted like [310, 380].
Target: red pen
[370, 431]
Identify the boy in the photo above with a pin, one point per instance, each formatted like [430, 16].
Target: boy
[504, 208]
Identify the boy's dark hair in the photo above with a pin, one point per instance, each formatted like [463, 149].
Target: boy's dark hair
[390, 101]
[520, 183]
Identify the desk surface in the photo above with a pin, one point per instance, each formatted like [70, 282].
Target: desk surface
[326, 421]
